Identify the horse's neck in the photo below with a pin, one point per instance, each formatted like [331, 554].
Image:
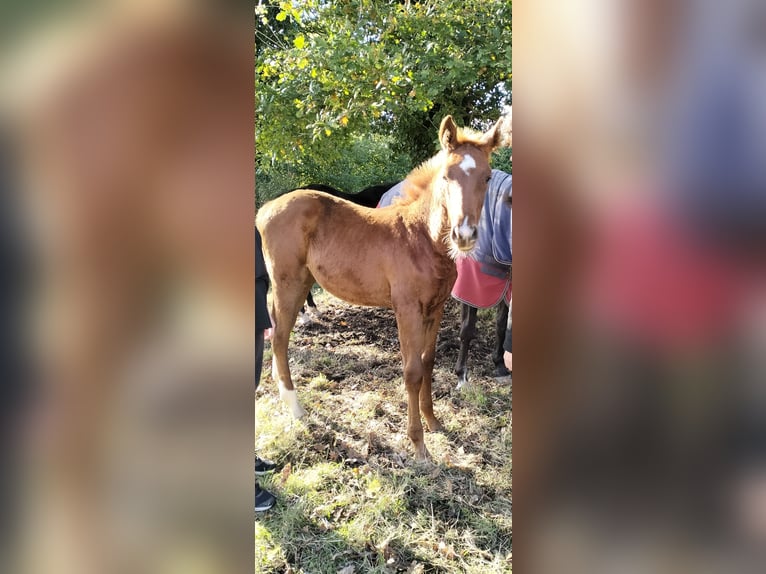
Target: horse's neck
[429, 213]
[438, 223]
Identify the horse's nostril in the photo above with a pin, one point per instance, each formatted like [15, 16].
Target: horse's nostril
[464, 234]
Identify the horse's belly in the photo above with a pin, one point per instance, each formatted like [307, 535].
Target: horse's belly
[353, 283]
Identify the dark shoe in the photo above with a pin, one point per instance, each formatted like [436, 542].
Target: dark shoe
[263, 466]
[264, 500]
[501, 371]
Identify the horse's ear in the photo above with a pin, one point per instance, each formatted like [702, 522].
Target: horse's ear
[505, 128]
[498, 135]
[448, 133]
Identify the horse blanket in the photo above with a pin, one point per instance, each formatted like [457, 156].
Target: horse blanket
[484, 279]
[653, 280]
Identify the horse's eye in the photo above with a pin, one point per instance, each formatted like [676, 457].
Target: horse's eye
[489, 178]
[445, 178]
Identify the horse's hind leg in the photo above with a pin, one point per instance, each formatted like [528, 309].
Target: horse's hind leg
[289, 294]
[467, 334]
[501, 324]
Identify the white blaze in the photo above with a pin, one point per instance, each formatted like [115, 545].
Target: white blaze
[468, 164]
[465, 230]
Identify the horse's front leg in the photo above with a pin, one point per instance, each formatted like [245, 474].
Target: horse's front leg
[467, 334]
[501, 324]
[411, 340]
[431, 329]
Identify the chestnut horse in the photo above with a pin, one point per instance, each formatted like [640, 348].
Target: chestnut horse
[484, 280]
[402, 258]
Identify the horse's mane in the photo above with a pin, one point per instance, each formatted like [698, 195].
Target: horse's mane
[418, 182]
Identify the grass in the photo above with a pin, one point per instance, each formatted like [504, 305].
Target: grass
[351, 498]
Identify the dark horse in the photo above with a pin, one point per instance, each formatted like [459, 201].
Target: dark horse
[401, 257]
[368, 197]
[484, 280]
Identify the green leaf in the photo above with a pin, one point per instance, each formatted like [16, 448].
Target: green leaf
[354, 65]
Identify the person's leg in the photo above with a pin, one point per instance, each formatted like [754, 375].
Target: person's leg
[508, 345]
[263, 466]
[258, 356]
[264, 500]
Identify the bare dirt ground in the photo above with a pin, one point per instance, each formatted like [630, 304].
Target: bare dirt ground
[351, 497]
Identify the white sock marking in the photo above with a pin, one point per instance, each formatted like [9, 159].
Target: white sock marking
[291, 399]
[303, 319]
[462, 383]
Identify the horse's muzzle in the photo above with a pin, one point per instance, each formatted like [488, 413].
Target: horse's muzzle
[464, 236]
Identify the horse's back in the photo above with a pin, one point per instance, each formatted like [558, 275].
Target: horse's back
[299, 203]
[304, 205]
[335, 224]
[302, 218]
[368, 197]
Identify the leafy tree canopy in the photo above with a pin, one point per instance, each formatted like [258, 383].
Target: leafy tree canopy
[329, 71]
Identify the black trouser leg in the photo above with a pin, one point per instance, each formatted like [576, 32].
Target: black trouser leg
[258, 356]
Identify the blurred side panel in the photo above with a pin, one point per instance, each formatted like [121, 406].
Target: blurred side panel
[640, 285]
[130, 127]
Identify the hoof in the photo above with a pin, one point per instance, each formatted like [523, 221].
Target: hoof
[303, 320]
[434, 426]
[423, 457]
[462, 381]
[463, 386]
[290, 397]
[298, 412]
[501, 372]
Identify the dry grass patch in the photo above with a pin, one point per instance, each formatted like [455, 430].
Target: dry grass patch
[350, 494]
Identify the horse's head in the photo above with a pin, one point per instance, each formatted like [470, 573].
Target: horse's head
[465, 174]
